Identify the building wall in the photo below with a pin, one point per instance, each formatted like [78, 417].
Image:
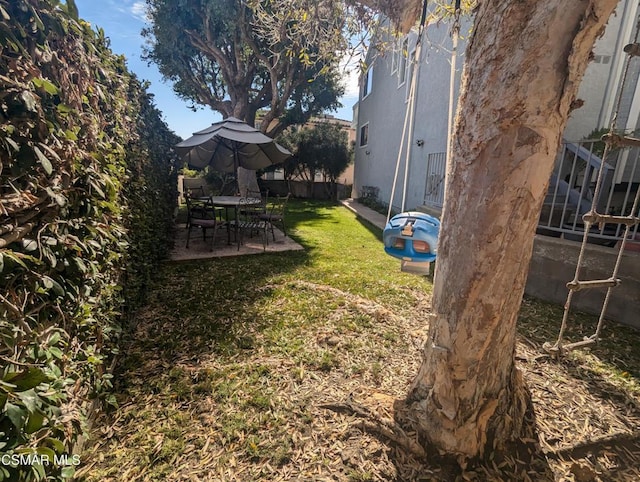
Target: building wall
[599, 86]
[384, 110]
[553, 264]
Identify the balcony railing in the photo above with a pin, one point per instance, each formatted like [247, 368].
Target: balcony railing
[572, 187]
[571, 190]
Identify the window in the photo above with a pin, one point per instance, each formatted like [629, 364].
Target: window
[395, 57]
[402, 68]
[367, 82]
[602, 59]
[364, 135]
[410, 70]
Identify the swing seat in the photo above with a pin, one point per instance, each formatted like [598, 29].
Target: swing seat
[412, 237]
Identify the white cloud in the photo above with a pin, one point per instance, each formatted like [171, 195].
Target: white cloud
[350, 76]
[139, 10]
[352, 86]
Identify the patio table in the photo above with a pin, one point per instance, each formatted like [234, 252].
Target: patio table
[234, 202]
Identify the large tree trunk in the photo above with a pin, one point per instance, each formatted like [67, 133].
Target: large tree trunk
[524, 63]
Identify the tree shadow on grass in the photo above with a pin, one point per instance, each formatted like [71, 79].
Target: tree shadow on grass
[613, 453]
[613, 458]
[200, 309]
[372, 228]
[595, 414]
[215, 306]
[618, 347]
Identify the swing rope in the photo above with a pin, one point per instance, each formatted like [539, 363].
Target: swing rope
[455, 34]
[408, 116]
[593, 217]
[402, 142]
[411, 103]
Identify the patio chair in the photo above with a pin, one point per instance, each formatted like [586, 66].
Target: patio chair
[199, 205]
[194, 192]
[258, 195]
[256, 210]
[203, 215]
[195, 187]
[276, 214]
[249, 222]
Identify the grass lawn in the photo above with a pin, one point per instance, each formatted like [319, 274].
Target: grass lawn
[231, 371]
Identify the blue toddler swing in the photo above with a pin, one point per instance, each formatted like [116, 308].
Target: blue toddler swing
[412, 237]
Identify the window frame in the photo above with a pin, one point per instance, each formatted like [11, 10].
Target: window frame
[364, 129]
[402, 65]
[367, 83]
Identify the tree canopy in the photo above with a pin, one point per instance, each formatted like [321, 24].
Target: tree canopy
[238, 57]
[323, 148]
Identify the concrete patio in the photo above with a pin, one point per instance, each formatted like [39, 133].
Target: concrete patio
[199, 249]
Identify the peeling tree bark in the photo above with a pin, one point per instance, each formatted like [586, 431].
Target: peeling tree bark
[524, 63]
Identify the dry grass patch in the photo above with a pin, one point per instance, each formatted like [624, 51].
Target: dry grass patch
[257, 414]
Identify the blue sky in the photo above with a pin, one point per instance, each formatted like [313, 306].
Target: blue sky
[122, 21]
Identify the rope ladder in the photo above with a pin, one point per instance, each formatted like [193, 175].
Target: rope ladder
[592, 218]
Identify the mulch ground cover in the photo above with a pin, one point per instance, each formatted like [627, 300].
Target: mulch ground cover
[222, 397]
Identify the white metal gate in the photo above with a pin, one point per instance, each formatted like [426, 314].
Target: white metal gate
[434, 186]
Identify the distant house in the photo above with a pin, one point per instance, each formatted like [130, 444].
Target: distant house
[392, 152]
[347, 176]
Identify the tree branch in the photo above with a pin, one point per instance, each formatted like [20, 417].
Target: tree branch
[16, 235]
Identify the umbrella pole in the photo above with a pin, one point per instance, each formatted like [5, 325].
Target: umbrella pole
[236, 163]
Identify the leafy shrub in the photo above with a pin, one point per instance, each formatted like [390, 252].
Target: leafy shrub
[87, 192]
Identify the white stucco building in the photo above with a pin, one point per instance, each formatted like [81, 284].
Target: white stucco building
[381, 111]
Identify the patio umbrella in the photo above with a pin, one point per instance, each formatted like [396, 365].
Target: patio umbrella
[229, 144]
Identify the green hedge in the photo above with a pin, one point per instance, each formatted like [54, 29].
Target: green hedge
[88, 190]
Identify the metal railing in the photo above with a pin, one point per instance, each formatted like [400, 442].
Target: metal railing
[434, 187]
[571, 189]
[572, 186]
